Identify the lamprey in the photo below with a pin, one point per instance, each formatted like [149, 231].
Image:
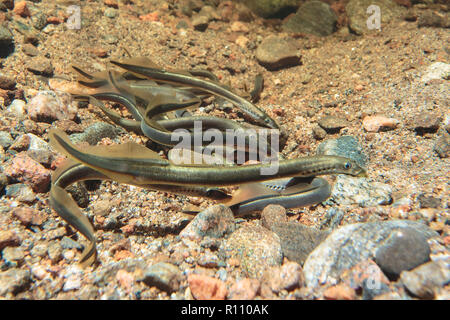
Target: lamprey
[136, 165]
[301, 192]
[123, 162]
[70, 172]
[145, 68]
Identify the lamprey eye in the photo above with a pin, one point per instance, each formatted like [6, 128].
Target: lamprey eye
[347, 165]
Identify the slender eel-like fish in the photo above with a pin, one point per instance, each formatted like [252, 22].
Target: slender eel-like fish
[136, 165]
[144, 67]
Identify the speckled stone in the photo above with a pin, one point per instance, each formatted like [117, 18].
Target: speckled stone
[164, 276]
[349, 190]
[297, 240]
[404, 249]
[96, 132]
[423, 281]
[24, 169]
[313, 17]
[442, 146]
[14, 281]
[255, 247]
[215, 222]
[351, 244]
[345, 146]
[332, 124]
[48, 106]
[275, 53]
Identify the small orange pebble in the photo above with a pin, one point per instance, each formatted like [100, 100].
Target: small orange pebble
[340, 292]
[125, 279]
[153, 16]
[111, 3]
[414, 159]
[21, 9]
[99, 52]
[122, 254]
[233, 262]
[57, 162]
[359, 87]
[279, 111]
[128, 229]
[55, 20]
[447, 240]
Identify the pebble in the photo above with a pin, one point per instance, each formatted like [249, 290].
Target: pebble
[39, 150]
[339, 292]
[288, 277]
[269, 8]
[215, 222]
[6, 4]
[48, 106]
[349, 190]
[125, 279]
[442, 146]
[276, 53]
[379, 123]
[68, 243]
[96, 132]
[345, 146]
[404, 249]
[40, 66]
[29, 216]
[6, 36]
[297, 240]
[39, 20]
[425, 122]
[313, 17]
[22, 168]
[110, 13]
[366, 276]
[164, 276]
[7, 83]
[255, 247]
[21, 9]
[3, 177]
[318, 132]
[200, 22]
[333, 218]
[68, 126]
[206, 288]
[14, 281]
[244, 289]
[8, 238]
[437, 70]
[428, 201]
[423, 281]
[347, 246]
[18, 108]
[21, 192]
[13, 255]
[5, 139]
[333, 124]
[39, 272]
[433, 19]
[272, 214]
[55, 251]
[21, 143]
[357, 14]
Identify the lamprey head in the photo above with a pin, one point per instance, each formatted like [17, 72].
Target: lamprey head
[348, 166]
